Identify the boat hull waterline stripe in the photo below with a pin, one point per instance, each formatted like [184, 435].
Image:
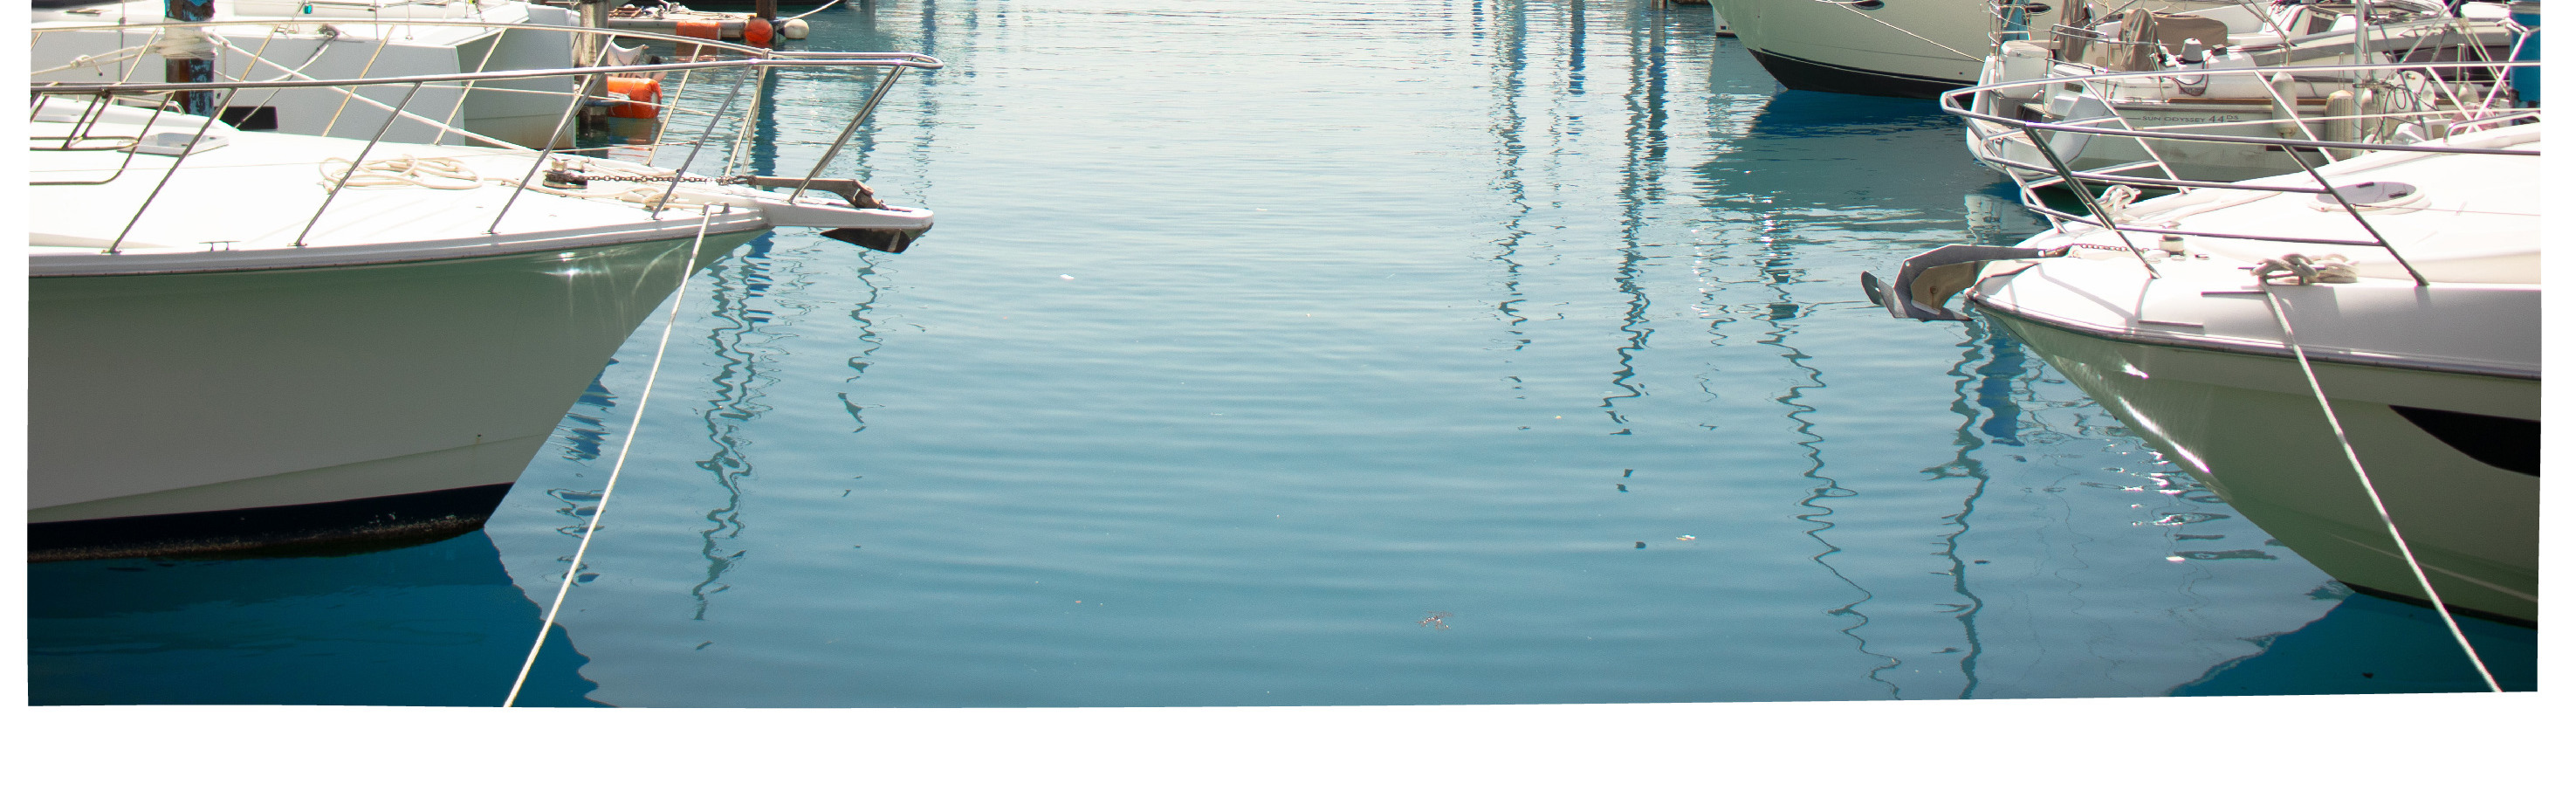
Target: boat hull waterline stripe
[1807, 75]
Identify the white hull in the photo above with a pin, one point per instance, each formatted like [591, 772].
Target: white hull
[1911, 48]
[2247, 425]
[320, 385]
[2437, 386]
[237, 339]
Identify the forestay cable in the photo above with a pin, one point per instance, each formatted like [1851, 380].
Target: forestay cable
[574, 572]
[2280, 316]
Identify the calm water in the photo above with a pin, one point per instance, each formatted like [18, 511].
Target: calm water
[1288, 353]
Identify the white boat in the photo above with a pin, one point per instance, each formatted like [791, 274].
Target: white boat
[1908, 48]
[674, 18]
[2411, 288]
[2202, 71]
[237, 339]
[264, 40]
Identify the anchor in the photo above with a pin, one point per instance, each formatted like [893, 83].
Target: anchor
[1928, 280]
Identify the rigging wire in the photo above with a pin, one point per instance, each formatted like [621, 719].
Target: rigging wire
[574, 571]
[2280, 316]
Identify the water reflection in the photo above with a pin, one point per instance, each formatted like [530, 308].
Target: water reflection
[1814, 509]
[1983, 531]
[1639, 173]
[1987, 406]
[438, 624]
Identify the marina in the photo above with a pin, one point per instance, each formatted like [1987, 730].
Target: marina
[1477, 352]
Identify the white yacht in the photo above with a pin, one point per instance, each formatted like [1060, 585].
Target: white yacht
[243, 338]
[2204, 71]
[2386, 305]
[1906, 48]
[93, 42]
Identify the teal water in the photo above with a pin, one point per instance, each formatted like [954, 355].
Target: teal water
[1296, 353]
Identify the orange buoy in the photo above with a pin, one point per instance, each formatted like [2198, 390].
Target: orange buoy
[643, 97]
[705, 29]
[756, 32]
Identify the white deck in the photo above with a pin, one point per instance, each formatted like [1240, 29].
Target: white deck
[2472, 227]
[244, 203]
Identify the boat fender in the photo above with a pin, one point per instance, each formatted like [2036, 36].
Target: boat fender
[2340, 124]
[2285, 106]
[695, 28]
[1929, 279]
[756, 32]
[794, 28]
[634, 97]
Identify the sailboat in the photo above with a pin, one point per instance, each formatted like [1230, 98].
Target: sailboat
[2211, 71]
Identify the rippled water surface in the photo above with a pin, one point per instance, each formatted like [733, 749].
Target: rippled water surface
[1285, 353]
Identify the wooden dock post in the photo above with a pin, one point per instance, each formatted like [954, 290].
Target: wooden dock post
[195, 66]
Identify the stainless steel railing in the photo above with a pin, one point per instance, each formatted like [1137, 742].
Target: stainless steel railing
[688, 119]
[2455, 98]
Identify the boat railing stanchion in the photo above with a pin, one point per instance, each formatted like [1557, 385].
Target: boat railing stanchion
[884, 85]
[2066, 176]
[351, 92]
[2355, 214]
[355, 163]
[466, 91]
[173, 170]
[681, 172]
[539, 162]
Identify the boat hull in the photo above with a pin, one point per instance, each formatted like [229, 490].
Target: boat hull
[226, 410]
[2248, 426]
[1911, 50]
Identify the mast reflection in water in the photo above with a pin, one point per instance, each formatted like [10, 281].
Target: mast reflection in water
[1255, 332]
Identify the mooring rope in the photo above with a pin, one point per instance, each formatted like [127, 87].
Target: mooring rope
[2280, 316]
[1848, 6]
[817, 10]
[574, 572]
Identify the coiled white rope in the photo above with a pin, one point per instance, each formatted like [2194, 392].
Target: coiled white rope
[438, 173]
[817, 10]
[2280, 316]
[574, 572]
[94, 62]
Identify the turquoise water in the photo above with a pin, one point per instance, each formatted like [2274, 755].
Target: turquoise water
[1294, 353]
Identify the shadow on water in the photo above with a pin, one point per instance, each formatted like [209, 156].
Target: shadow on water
[438, 624]
[2369, 644]
[1795, 114]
